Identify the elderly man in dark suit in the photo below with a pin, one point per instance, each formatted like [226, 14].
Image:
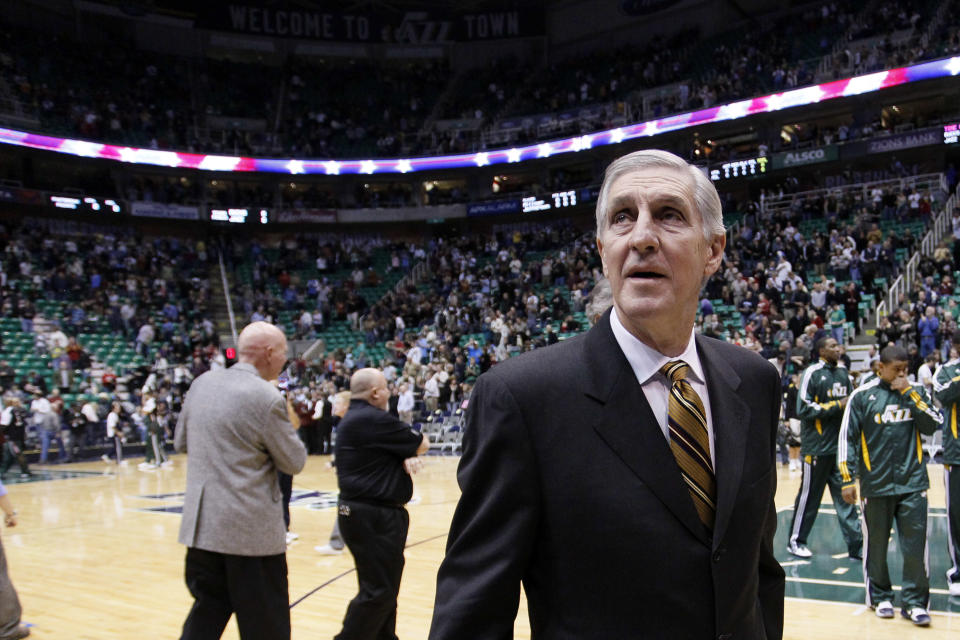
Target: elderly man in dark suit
[653, 443]
[236, 428]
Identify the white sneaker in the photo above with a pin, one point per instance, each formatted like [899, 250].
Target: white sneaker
[105, 458]
[167, 464]
[291, 536]
[799, 550]
[327, 550]
[955, 589]
[917, 615]
[885, 609]
[146, 466]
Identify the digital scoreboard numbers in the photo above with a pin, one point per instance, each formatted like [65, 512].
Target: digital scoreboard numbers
[564, 199]
[85, 203]
[740, 169]
[239, 216]
[558, 200]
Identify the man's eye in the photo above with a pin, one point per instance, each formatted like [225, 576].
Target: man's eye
[620, 217]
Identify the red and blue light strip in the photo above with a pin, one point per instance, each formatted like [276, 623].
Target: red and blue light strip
[732, 111]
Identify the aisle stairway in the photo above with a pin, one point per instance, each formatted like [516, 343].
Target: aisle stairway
[218, 306]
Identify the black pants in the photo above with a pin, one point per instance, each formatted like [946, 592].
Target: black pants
[91, 436]
[117, 443]
[951, 479]
[820, 472]
[286, 490]
[13, 451]
[9, 603]
[326, 433]
[909, 510]
[309, 433]
[376, 537]
[253, 587]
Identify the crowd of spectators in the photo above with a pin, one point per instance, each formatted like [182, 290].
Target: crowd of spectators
[781, 286]
[784, 283]
[377, 109]
[112, 92]
[320, 280]
[790, 274]
[103, 276]
[81, 296]
[488, 297]
[78, 95]
[761, 57]
[315, 277]
[516, 287]
[892, 34]
[928, 316]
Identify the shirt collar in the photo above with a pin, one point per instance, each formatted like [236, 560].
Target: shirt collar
[245, 366]
[646, 361]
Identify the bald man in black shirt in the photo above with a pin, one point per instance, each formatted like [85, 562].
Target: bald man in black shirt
[376, 454]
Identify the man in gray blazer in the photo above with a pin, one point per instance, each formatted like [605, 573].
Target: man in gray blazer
[237, 429]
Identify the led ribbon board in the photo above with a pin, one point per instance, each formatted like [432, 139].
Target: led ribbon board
[733, 111]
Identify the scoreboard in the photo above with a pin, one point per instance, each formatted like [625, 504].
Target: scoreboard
[559, 200]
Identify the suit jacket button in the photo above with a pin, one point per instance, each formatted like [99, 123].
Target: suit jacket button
[716, 558]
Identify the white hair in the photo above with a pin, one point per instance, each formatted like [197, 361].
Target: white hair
[704, 193]
[601, 299]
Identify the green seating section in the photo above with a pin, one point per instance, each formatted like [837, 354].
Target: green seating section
[339, 336]
[97, 338]
[888, 227]
[19, 350]
[287, 318]
[113, 351]
[731, 318]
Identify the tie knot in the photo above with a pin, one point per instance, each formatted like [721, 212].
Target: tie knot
[675, 370]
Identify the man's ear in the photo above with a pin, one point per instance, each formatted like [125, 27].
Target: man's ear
[602, 261]
[715, 249]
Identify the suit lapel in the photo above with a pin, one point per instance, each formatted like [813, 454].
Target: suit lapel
[731, 421]
[627, 425]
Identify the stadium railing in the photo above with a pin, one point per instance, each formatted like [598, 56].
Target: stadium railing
[899, 288]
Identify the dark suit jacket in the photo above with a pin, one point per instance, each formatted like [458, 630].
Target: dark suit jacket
[570, 487]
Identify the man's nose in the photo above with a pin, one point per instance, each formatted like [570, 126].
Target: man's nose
[643, 236]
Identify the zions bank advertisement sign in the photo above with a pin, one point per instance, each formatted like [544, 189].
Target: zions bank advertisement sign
[364, 25]
[801, 157]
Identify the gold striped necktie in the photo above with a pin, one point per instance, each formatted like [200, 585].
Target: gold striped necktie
[689, 440]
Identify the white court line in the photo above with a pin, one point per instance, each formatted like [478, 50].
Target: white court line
[860, 609]
[795, 563]
[833, 512]
[844, 583]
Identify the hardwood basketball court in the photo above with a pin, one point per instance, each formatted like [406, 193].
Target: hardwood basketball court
[95, 557]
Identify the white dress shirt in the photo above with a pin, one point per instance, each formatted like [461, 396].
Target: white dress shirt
[405, 401]
[318, 409]
[646, 363]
